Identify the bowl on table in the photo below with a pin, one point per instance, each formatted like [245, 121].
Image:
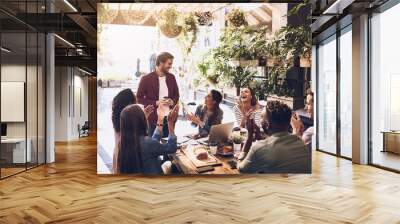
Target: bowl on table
[225, 150]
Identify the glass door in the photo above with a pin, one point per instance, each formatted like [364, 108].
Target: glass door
[14, 155]
[385, 89]
[326, 96]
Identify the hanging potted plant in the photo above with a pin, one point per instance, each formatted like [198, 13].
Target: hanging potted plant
[204, 18]
[167, 22]
[188, 37]
[237, 18]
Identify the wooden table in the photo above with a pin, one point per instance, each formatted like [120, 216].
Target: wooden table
[186, 166]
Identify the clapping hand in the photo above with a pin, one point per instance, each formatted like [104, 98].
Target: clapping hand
[148, 110]
[251, 127]
[162, 110]
[165, 101]
[169, 101]
[297, 125]
[172, 118]
[249, 114]
[193, 118]
[246, 116]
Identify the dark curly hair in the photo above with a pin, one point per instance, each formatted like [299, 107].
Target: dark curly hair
[278, 113]
[216, 95]
[120, 101]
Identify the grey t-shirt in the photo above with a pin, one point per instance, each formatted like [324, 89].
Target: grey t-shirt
[280, 153]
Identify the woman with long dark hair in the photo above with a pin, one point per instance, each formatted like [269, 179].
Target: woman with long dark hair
[207, 114]
[120, 101]
[138, 152]
[247, 107]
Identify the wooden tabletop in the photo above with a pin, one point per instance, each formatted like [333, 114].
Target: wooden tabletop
[186, 166]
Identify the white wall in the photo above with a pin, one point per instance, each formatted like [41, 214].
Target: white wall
[33, 126]
[16, 73]
[71, 94]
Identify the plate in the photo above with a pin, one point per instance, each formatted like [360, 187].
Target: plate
[222, 153]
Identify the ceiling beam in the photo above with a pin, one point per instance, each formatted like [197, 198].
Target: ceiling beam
[83, 23]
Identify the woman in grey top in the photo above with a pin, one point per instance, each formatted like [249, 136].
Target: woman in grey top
[207, 114]
[138, 153]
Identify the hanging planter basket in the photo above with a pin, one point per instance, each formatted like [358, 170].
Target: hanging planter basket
[204, 18]
[167, 22]
[170, 31]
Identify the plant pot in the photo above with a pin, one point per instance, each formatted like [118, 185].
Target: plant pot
[237, 148]
[250, 63]
[171, 31]
[293, 102]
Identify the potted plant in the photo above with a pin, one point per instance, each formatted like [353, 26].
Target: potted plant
[238, 77]
[237, 140]
[283, 51]
[235, 43]
[208, 73]
[258, 44]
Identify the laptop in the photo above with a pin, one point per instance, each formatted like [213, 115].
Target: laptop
[218, 133]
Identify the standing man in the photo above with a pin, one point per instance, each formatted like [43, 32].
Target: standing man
[159, 88]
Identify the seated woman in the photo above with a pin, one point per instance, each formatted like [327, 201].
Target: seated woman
[207, 114]
[138, 152]
[247, 107]
[120, 101]
[305, 130]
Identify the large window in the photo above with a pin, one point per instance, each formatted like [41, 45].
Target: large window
[385, 89]
[334, 99]
[345, 43]
[326, 99]
[22, 94]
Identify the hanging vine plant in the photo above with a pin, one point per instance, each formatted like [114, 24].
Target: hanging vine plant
[168, 22]
[189, 34]
[105, 15]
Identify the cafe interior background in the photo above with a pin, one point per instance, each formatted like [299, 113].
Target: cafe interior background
[266, 46]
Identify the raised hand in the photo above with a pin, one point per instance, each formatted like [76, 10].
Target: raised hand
[148, 110]
[251, 127]
[162, 110]
[172, 118]
[297, 125]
